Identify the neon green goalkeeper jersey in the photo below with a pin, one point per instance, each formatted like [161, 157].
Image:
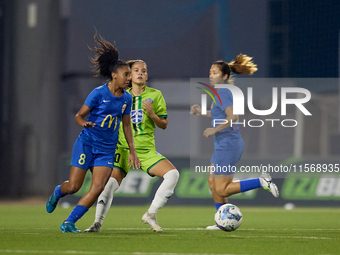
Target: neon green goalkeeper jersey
[143, 127]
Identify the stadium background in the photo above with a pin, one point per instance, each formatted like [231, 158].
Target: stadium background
[45, 77]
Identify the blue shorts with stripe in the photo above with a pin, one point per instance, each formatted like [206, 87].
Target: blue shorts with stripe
[85, 156]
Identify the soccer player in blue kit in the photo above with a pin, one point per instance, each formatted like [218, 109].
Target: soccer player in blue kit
[94, 149]
[228, 143]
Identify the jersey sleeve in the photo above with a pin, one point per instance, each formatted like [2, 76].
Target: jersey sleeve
[160, 110]
[92, 99]
[127, 110]
[226, 98]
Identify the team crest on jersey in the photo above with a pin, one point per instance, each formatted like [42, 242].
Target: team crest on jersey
[124, 107]
[136, 116]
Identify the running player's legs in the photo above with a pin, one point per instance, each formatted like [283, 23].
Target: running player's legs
[217, 198]
[118, 175]
[221, 181]
[150, 161]
[100, 176]
[75, 181]
[119, 171]
[161, 167]
[81, 161]
[71, 186]
[224, 185]
[101, 167]
[224, 163]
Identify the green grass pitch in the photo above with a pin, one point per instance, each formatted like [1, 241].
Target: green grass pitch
[31, 230]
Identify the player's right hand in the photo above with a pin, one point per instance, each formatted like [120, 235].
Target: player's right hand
[133, 160]
[89, 124]
[195, 110]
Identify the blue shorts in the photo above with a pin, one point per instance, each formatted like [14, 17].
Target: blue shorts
[85, 156]
[225, 160]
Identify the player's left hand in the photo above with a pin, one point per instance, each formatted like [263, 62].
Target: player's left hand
[209, 132]
[89, 124]
[134, 160]
[147, 106]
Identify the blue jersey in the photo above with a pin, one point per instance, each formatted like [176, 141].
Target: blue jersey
[228, 137]
[107, 112]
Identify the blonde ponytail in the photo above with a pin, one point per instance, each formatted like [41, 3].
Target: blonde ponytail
[243, 64]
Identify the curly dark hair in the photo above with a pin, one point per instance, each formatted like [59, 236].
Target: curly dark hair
[106, 60]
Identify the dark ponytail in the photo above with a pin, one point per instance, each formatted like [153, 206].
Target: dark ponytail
[106, 60]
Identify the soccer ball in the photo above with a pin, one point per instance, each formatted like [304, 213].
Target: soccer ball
[228, 217]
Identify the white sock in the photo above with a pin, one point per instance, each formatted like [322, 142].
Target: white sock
[263, 182]
[165, 190]
[105, 200]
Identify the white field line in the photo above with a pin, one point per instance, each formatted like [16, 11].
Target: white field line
[285, 237]
[241, 236]
[229, 235]
[242, 229]
[189, 229]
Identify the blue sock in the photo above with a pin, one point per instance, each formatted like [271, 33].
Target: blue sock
[218, 205]
[250, 184]
[77, 213]
[58, 193]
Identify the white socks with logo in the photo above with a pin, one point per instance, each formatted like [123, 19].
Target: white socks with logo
[105, 199]
[164, 191]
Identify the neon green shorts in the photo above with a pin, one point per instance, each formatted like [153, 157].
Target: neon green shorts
[148, 159]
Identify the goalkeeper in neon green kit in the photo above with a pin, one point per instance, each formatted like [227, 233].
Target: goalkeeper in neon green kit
[147, 111]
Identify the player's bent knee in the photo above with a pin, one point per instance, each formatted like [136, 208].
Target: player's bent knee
[172, 176]
[73, 188]
[211, 183]
[222, 191]
[170, 181]
[97, 188]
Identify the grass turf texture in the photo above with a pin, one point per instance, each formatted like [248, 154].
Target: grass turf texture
[31, 230]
